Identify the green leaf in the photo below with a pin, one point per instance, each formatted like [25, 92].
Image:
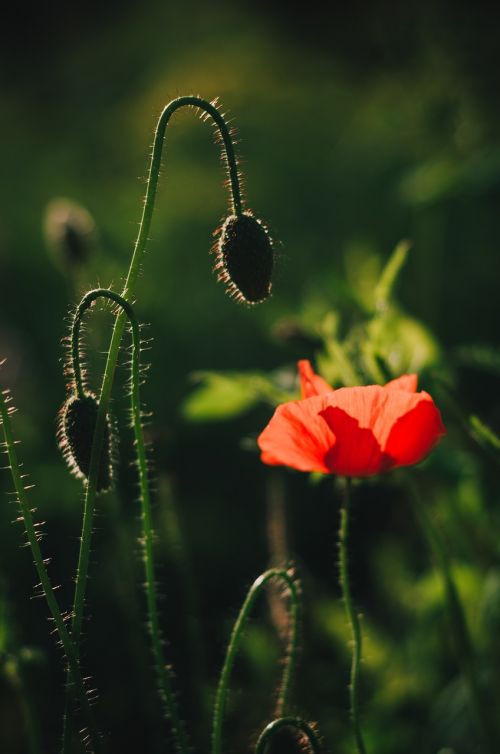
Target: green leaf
[483, 434]
[225, 395]
[403, 343]
[480, 357]
[390, 275]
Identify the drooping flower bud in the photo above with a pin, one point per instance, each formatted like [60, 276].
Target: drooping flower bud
[244, 258]
[75, 434]
[70, 233]
[287, 741]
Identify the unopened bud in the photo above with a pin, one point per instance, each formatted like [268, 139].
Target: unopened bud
[70, 233]
[75, 435]
[245, 258]
[288, 741]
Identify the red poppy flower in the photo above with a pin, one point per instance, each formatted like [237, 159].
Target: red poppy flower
[352, 431]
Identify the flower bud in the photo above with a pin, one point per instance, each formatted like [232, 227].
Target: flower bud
[76, 425]
[245, 258]
[70, 233]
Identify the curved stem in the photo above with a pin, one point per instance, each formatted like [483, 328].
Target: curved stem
[235, 641]
[128, 294]
[352, 616]
[288, 722]
[77, 684]
[154, 171]
[162, 669]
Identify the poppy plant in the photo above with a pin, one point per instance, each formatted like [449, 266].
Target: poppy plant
[352, 431]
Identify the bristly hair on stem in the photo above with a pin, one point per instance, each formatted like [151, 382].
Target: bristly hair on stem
[291, 586]
[305, 736]
[90, 735]
[164, 674]
[128, 295]
[247, 279]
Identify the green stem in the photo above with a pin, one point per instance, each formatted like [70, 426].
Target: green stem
[77, 684]
[128, 294]
[288, 722]
[463, 642]
[352, 616]
[235, 641]
[154, 172]
[162, 669]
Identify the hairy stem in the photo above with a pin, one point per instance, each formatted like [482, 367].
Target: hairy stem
[77, 684]
[154, 171]
[352, 617]
[128, 294]
[235, 641]
[288, 722]
[162, 669]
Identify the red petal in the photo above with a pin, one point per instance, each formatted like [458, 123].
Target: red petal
[405, 382]
[297, 436]
[310, 382]
[379, 428]
[356, 452]
[414, 435]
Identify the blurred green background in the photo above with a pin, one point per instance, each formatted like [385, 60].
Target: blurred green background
[359, 126]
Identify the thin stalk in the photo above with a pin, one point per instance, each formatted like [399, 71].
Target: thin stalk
[77, 684]
[288, 722]
[162, 669]
[352, 617]
[128, 294]
[154, 171]
[235, 642]
[463, 642]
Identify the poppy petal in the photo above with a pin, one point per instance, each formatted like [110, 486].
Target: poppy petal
[310, 382]
[415, 433]
[356, 452]
[376, 408]
[297, 436]
[407, 382]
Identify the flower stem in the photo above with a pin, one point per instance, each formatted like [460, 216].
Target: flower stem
[352, 616]
[162, 669]
[77, 684]
[235, 641]
[154, 171]
[128, 294]
[288, 722]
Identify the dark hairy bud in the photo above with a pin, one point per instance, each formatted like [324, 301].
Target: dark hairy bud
[245, 258]
[288, 741]
[76, 425]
